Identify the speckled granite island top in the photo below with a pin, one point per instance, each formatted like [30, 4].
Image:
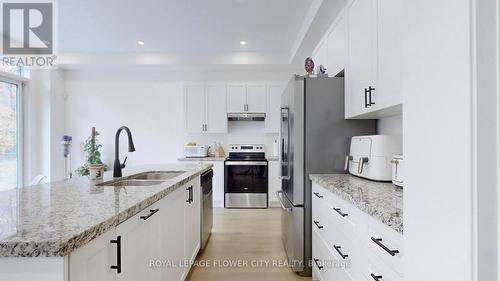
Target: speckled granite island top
[51, 220]
[383, 201]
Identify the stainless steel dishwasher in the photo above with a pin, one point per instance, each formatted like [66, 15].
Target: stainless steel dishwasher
[207, 207]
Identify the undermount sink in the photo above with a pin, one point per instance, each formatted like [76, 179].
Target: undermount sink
[158, 175]
[132, 182]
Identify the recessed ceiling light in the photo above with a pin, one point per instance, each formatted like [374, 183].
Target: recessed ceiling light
[140, 43]
[243, 43]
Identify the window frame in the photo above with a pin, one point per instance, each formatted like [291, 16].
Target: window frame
[19, 81]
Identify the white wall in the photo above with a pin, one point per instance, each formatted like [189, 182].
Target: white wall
[437, 116]
[391, 126]
[151, 105]
[43, 100]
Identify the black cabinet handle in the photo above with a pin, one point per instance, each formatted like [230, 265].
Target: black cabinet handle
[370, 102]
[318, 195]
[378, 241]
[316, 261]
[366, 98]
[118, 243]
[318, 225]
[337, 248]
[376, 277]
[338, 210]
[151, 212]
[192, 197]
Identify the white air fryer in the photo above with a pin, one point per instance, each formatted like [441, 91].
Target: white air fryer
[370, 156]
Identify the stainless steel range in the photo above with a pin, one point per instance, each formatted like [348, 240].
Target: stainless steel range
[245, 177]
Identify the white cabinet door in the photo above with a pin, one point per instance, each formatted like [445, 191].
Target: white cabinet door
[274, 182]
[359, 73]
[195, 114]
[389, 82]
[274, 92]
[192, 218]
[172, 237]
[216, 108]
[256, 98]
[337, 46]
[236, 98]
[218, 184]
[92, 262]
[139, 238]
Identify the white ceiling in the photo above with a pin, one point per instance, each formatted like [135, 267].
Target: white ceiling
[193, 31]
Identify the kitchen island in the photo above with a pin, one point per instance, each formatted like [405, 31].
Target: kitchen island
[42, 227]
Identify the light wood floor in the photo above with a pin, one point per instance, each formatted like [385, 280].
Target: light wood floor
[252, 237]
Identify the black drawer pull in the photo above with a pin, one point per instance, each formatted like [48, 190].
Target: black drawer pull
[118, 243]
[378, 241]
[316, 261]
[338, 210]
[337, 248]
[151, 212]
[318, 225]
[318, 195]
[376, 277]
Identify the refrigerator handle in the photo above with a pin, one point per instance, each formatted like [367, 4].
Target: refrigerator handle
[287, 111]
[278, 195]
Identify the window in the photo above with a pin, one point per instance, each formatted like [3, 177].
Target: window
[10, 160]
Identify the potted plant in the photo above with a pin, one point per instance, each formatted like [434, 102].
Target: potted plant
[91, 148]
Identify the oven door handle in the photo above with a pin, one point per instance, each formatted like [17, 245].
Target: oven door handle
[245, 163]
[288, 210]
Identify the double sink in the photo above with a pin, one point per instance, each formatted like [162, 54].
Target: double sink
[144, 179]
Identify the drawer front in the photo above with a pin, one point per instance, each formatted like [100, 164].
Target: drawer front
[374, 271]
[386, 245]
[332, 267]
[347, 218]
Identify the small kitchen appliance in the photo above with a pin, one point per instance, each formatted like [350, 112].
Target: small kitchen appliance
[370, 156]
[397, 170]
[195, 151]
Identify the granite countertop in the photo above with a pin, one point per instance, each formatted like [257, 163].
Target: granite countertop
[383, 201]
[187, 159]
[53, 219]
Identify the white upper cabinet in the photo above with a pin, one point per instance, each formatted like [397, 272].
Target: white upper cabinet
[361, 60]
[194, 96]
[337, 46]
[365, 41]
[274, 92]
[205, 108]
[389, 50]
[236, 98]
[256, 98]
[249, 98]
[216, 108]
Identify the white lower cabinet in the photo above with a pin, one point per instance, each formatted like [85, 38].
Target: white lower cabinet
[158, 243]
[349, 245]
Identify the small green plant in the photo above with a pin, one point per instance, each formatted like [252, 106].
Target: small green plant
[92, 154]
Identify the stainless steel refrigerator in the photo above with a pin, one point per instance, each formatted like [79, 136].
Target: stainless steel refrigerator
[315, 139]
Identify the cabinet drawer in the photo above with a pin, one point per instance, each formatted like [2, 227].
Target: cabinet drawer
[346, 217]
[386, 245]
[326, 265]
[375, 270]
